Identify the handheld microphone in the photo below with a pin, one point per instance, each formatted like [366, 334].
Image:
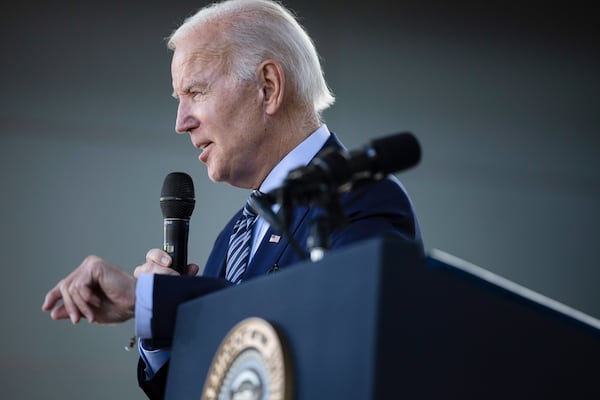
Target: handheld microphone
[177, 202]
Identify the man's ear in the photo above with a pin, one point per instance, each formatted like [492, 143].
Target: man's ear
[272, 83]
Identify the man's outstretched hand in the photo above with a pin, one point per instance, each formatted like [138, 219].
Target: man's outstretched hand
[96, 291]
[102, 293]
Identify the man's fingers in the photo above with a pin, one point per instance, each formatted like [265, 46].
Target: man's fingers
[70, 307]
[159, 257]
[59, 312]
[157, 262]
[77, 297]
[192, 269]
[51, 298]
[81, 296]
[153, 269]
[96, 291]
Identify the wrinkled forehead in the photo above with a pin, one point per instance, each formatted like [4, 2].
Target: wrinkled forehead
[196, 59]
[198, 54]
[204, 46]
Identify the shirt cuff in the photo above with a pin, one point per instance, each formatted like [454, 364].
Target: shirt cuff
[154, 359]
[143, 306]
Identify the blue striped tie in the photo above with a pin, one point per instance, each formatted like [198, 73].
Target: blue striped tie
[239, 245]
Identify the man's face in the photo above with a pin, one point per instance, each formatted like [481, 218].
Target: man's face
[223, 115]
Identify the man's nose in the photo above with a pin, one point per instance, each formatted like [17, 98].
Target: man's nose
[185, 121]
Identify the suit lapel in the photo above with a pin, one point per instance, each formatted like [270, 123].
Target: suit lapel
[271, 250]
[215, 265]
[274, 244]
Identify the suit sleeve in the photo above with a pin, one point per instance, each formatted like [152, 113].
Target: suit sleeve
[377, 209]
[155, 387]
[168, 293]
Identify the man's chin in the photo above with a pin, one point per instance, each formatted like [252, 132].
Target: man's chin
[215, 176]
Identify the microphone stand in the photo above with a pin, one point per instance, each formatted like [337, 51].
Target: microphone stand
[321, 227]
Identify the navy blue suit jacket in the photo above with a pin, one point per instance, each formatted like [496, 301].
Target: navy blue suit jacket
[371, 208]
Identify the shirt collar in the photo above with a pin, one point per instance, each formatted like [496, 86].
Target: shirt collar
[299, 156]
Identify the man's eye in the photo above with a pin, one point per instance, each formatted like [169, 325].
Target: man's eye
[198, 94]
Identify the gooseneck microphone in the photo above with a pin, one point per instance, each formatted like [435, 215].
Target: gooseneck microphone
[177, 201]
[337, 170]
[332, 172]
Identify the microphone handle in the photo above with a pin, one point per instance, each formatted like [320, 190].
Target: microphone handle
[176, 232]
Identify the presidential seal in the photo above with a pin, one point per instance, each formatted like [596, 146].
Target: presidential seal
[250, 364]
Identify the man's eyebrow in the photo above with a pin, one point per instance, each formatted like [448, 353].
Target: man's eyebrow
[187, 89]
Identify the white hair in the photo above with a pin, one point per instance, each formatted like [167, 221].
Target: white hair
[261, 29]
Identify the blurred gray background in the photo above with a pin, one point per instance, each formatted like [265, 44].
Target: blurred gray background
[503, 98]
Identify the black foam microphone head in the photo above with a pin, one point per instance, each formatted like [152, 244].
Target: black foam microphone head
[177, 198]
[396, 152]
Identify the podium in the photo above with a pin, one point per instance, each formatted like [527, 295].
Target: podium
[377, 320]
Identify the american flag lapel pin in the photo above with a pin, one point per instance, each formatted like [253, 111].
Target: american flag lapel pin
[274, 238]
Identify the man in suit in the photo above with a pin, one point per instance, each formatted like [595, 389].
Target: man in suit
[251, 91]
